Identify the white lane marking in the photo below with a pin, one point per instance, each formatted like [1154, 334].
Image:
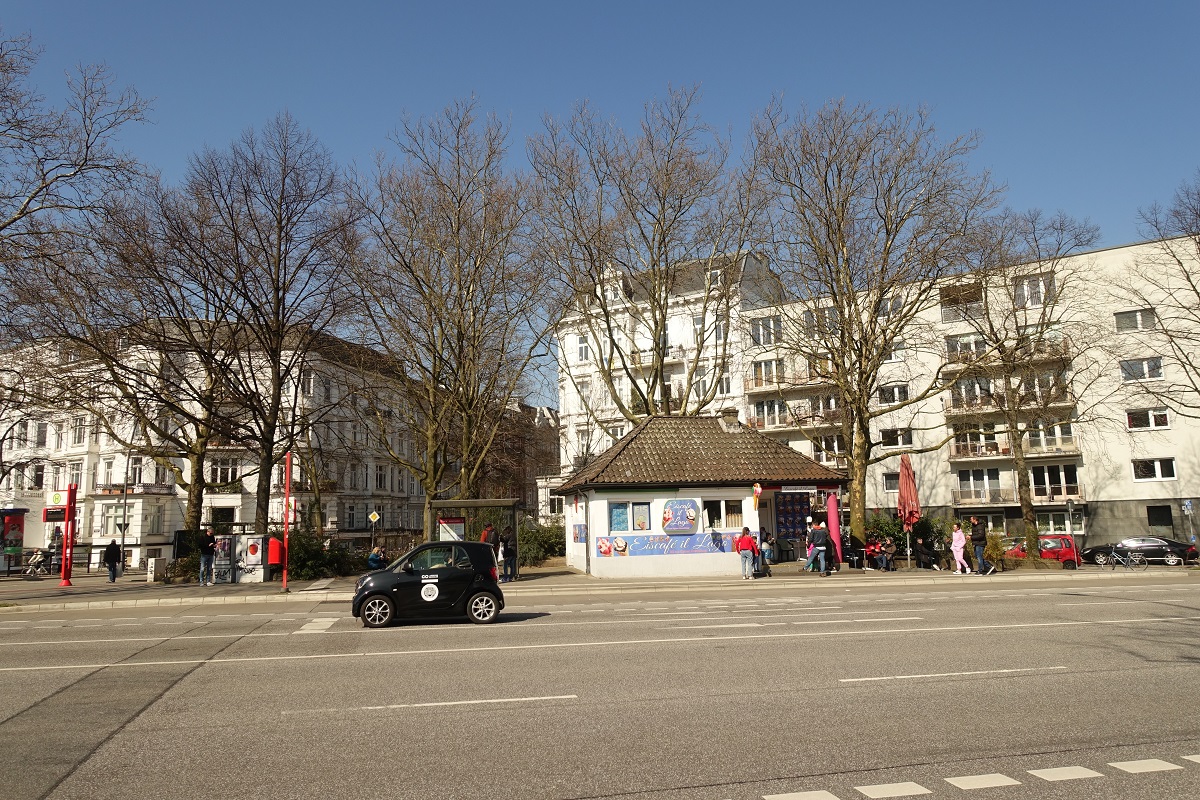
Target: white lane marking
[317, 626]
[497, 700]
[982, 781]
[143, 639]
[1065, 773]
[947, 674]
[1104, 603]
[1144, 765]
[821, 795]
[708, 627]
[574, 645]
[907, 789]
[1195, 758]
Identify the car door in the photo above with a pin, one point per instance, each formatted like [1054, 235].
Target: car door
[442, 575]
[1153, 549]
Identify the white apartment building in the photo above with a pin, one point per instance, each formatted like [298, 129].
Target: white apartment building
[1104, 458]
[341, 465]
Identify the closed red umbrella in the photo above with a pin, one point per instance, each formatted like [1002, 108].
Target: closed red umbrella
[908, 506]
[833, 520]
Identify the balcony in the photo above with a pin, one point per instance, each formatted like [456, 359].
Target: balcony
[152, 488]
[228, 487]
[966, 406]
[307, 487]
[1046, 350]
[830, 418]
[1052, 446]
[986, 496]
[765, 383]
[960, 451]
[962, 312]
[1049, 495]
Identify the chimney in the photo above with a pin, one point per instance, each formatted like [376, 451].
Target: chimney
[729, 420]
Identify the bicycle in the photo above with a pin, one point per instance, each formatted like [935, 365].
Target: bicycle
[1133, 561]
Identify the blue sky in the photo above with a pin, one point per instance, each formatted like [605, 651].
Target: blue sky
[1090, 108]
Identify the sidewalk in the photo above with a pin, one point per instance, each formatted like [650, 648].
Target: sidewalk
[132, 590]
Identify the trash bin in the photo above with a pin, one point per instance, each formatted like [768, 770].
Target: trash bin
[155, 569]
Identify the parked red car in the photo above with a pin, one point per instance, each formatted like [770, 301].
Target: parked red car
[1058, 547]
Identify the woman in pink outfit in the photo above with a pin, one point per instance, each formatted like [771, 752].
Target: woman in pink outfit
[957, 542]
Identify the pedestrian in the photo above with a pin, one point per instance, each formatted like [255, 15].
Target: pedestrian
[767, 545]
[508, 540]
[887, 556]
[112, 557]
[979, 541]
[958, 540]
[820, 541]
[925, 557]
[376, 560]
[744, 546]
[208, 551]
[871, 553]
[490, 536]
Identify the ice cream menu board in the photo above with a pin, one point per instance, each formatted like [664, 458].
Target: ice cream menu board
[791, 508]
[679, 516]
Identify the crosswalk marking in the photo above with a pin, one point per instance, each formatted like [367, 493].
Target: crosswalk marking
[317, 626]
[982, 781]
[1144, 765]
[1195, 758]
[1065, 773]
[907, 789]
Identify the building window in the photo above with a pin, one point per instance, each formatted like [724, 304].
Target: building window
[893, 393]
[78, 430]
[826, 449]
[21, 433]
[1142, 419]
[895, 352]
[618, 517]
[967, 347]
[896, 437]
[106, 472]
[891, 481]
[1154, 469]
[1034, 290]
[223, 470]
[768, 373]
[768, 413]
[556, 505]
[584, 352]
[1141, 369]
[75, 472]
[42, 437]
[890, 306]
[38, 479]
[820, 322]
[381, 477]
[725, 385]
[1143, 319]
[766, 330]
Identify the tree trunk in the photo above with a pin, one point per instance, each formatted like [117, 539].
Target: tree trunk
[1025, 494]
[262, 494]
[193, 515]
[859, 455]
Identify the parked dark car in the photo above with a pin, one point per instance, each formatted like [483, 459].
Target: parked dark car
[1169, 551]
[437, 579]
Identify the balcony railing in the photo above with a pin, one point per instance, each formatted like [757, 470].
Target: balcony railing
[962, 312]
[1058, 494]
[991, 495]
[227, 487]
[964, 356]
[1051, 445]
[830, 418]
[304, 487]
[994, 449]
[982, 404]
[760, 383]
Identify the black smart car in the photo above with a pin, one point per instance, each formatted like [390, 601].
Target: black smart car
[437, 579]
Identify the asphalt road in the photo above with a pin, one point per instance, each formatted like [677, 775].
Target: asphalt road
[1025, 691]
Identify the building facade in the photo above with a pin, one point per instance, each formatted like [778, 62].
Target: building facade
[1048, 375]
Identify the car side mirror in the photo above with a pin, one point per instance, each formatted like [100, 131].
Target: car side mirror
[408, 567]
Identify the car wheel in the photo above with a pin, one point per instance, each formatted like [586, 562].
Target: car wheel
[1172, 559]
[377, 612]
[483, 608]
[1070, 565]
[1100, 558]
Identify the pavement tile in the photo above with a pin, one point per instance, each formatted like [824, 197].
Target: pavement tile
[982, 781]
[1065, 773]
[906, 789]
[1144, 765]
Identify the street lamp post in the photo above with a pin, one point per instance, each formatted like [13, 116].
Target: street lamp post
[124, 524]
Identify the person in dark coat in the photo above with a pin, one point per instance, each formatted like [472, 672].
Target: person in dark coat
[490, 536]
[208, 551]
[112, 557]
[508, 540]
[926, 558]
[979, 542]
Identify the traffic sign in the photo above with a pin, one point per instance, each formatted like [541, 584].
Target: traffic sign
[373, 516]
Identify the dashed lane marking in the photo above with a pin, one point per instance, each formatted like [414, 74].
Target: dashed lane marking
[822, 795]
[1193, 758]
[443, 704]
[1065, 773]
[317, 626]
[948, 674]
[1144, 765]
[907, 789]
[982, 781]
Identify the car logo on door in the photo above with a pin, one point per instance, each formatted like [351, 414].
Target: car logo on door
[429, 592]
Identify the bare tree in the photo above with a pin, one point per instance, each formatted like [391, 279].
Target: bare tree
[1030, 369]
[629, 224]
[871, 212]
[56, 164]
[1167, 286]
[272, 228]
[448, 298]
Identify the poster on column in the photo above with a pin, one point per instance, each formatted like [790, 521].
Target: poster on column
[223, 560]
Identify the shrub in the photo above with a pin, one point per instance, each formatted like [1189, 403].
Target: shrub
[539, 542]
[183, 570]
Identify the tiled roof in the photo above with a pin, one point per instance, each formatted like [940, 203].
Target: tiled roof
[697, 451]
